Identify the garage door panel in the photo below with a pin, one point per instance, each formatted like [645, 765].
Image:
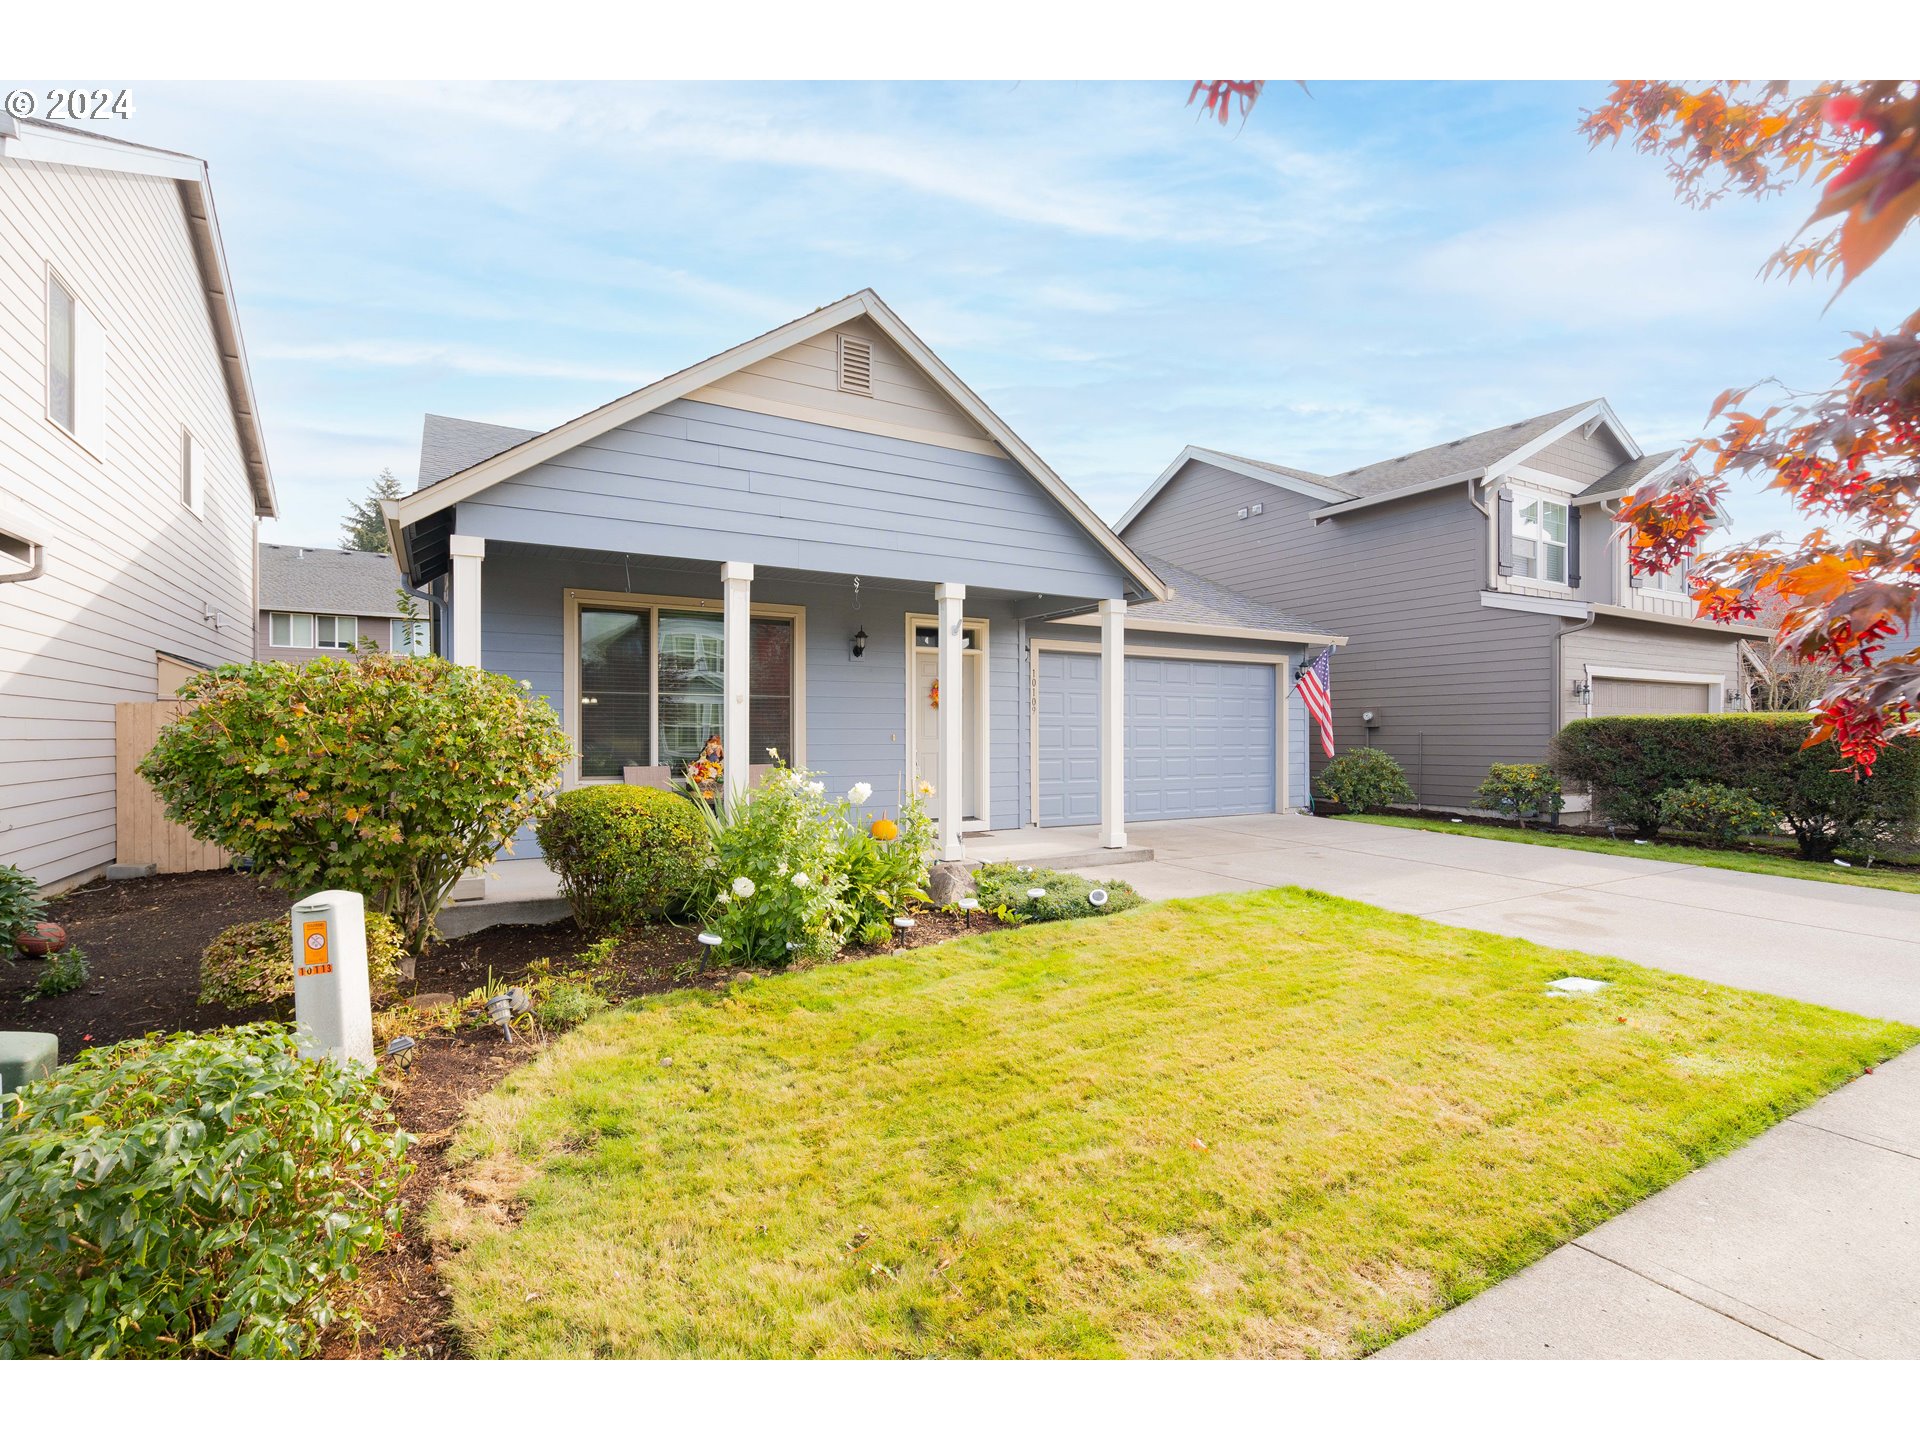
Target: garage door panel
[1200, 738]
[1617, 696]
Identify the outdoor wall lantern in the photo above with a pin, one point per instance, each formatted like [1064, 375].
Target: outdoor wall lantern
[1583, 691]
[860, 642]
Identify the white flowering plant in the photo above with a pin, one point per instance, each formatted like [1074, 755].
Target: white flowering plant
[797, 872]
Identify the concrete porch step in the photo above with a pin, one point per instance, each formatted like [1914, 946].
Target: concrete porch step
[1091, 859]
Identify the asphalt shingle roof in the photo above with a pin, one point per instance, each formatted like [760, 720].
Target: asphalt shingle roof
[1624, 478]
[1454, 457]
[328, 582]
[1199, 601]
[449, 445]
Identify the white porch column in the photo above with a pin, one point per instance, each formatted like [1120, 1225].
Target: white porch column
[736, 585]
[466, 553]
[953, 634]
[1113, 723]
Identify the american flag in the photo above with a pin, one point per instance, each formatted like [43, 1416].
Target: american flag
[1315, 686]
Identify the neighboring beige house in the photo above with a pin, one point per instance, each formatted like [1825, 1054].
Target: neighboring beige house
[315, 601]
[132, 470]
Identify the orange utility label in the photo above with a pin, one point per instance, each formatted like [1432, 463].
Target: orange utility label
[314, 959]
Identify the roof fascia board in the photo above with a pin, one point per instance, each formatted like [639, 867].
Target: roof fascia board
[451, 491]
[1235, 465]
[1195, 627]
[1366, 501]
[96, 152]
[1691, 622]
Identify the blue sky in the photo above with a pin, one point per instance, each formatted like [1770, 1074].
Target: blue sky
[1372, 269]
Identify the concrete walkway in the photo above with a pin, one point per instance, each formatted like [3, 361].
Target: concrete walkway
[1805, 1243]
[1840, 945]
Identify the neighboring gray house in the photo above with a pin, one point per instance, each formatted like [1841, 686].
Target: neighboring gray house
[132, 471]
[1485, 597]
[792, 544]
[315, 601]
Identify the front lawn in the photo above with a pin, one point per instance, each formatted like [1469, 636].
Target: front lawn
[1753, 862]
[1259, 1124]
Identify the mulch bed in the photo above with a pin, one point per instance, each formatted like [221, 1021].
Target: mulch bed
[144, 938]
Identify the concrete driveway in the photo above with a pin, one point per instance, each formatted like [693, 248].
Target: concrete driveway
[1803, 1244]
[1841, 945]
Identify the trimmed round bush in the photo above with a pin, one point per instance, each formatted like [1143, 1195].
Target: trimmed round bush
[252, 964]
[187, 1195]
[1722, 813]
[625, 853]
[1521, 790]
[1364, 779]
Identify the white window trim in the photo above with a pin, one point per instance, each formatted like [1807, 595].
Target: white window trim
[1522, 493]
[654, 604]
[976, 688]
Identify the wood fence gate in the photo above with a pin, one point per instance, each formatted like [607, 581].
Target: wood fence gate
[142, 834]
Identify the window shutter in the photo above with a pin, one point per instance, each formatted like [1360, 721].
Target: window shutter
[89, 381]
[1573, 545]
[1505, 512]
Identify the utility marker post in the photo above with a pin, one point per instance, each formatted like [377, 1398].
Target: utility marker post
[332, 1003]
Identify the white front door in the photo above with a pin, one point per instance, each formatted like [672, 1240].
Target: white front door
[926, 732]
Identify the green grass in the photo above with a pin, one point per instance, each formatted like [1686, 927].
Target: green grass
[1258, 1124]
[1752, 862]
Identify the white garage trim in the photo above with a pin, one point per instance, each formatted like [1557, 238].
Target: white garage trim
[1715, 682]
[1282, 787]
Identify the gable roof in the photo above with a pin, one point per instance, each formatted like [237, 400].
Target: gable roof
[1485, 455]
[1625, 479]
[329, 582]
[410, 509]
[1204, 604]
[49, 144]
[448, 445]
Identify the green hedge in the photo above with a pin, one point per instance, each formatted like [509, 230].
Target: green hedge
[1630, 761]
[624, 853]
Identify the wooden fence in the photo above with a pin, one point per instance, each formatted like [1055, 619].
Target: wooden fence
[142, 834]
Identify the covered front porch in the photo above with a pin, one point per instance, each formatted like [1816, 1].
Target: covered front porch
[912, 686]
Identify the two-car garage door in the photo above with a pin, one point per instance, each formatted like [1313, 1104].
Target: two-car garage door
[1200, 738]
[1617, 696]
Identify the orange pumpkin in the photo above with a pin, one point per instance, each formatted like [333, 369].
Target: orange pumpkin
[885, 829]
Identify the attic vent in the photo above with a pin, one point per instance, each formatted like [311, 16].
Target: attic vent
[856, 364]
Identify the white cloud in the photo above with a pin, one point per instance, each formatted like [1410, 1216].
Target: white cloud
[428, 355]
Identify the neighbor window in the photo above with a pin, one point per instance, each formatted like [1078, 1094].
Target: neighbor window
[412, 637]
[1673, 582]
[1540, 538]
[290, 632]
[61, 355]
[334, 632]
[654, 702]
[189, 472]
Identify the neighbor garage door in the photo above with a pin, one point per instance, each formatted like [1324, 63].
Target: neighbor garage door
[1649, 697]
[1200, 738]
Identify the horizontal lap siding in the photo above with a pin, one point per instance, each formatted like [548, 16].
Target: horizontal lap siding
[1456, 685]
[1622, 644]
[701, 481]
[130, 571]
[856, 715]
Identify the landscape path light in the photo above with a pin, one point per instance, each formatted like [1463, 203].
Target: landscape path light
[401, 1051]
[1096, 898]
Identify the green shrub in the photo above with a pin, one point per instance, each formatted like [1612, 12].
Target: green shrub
[251, 964]
[391, 775]
[1722, 813]
[624, 853]
[1362, 780]
[190, 1195]
[63, 971]
[21, 907]
[564, 1003]
[1630, 761]
[1523, 790]
[1003, 890]
[882, 875]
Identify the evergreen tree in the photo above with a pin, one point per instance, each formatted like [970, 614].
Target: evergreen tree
[365, 527]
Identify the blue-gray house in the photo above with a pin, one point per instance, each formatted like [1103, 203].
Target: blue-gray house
[821, 542]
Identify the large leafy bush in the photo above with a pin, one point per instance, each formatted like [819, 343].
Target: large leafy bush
[1721, 813]
[799, 872]
[1630, 761]
[1364, 779]
[387, 774]
[190, 1195]
[1522, 790]
[252, 964]
[625, 853]
[21, 907]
